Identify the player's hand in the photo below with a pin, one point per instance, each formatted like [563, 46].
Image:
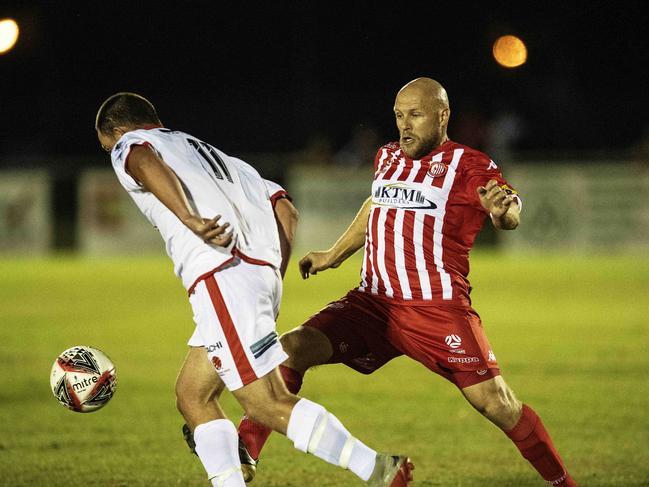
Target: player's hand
[313, 262]
[210, 230]
[494, 198]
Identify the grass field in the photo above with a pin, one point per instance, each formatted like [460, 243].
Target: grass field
[571, 336]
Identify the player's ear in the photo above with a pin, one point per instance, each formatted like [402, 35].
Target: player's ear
[119, 131]
[444, 115]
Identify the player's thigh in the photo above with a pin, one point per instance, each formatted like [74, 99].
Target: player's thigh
[197, 378]
[449, 340]
[355, 327]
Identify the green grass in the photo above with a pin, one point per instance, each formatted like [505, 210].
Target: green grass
[571, 336]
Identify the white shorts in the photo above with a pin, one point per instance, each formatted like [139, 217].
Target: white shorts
[235, 310]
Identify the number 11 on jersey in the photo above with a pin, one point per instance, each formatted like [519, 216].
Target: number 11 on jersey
[210, 156]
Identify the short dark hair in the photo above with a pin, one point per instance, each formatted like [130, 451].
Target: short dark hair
[125, 109]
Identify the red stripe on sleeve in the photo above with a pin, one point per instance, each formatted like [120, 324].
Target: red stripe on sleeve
[279, 194]
[236, 348]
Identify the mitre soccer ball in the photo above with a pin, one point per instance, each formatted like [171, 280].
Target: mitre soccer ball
[83, 379]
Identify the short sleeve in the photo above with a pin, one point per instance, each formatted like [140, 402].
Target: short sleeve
[119, 158]
[276, 192]
[377, 159]
[478, 171]
[381, 155]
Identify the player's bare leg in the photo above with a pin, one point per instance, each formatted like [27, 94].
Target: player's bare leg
[197, 390]
[306, 347]
[314, 430]
[495, 400]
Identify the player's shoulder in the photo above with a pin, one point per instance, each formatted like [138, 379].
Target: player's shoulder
[470, 156]
[390, 147]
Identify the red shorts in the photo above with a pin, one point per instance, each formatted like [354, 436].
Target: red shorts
[366, 332]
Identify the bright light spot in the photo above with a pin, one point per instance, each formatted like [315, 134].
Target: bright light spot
[8, 34]
[510, 51]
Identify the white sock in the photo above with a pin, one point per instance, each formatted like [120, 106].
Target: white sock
[314, 430]
[217, 445]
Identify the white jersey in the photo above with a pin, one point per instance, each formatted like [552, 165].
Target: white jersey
[215, 184]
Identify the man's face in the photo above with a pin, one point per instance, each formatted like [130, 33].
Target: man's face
[419, 120]
[107, 141]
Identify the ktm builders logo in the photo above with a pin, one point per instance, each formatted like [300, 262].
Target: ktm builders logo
[400, 195]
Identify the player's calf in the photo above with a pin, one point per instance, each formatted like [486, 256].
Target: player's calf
[496, 401]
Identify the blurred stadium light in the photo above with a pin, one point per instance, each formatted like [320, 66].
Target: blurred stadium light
[9, 32]
[510, 51]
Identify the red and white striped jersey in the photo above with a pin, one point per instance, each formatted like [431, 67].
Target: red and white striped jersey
[424, 217]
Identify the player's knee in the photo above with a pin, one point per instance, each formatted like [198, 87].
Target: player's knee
[188, 398]
[265, 412]
[502, 408]
[270, 409]
[306, 347]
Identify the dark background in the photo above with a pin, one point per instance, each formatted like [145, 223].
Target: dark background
[269, 76]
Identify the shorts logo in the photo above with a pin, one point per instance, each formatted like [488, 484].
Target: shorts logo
[217, 362]
[343, 347]
[481, 372]
[492, 356]
[436, 169]
[463, 360]
[212, 348]
[453, 341]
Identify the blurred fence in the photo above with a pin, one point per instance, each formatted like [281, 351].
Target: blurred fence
[567, 206]
[25, 212]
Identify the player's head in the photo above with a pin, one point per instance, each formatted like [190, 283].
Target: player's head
[121, 113]
[422, 112]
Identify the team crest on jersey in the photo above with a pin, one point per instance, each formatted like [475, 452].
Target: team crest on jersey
[436, 169]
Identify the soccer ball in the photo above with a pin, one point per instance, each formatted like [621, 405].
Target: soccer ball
[83, 379]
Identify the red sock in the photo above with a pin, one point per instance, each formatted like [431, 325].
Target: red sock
[254, 434]
[534, 442]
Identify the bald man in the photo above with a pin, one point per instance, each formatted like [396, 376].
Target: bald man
[429, 199]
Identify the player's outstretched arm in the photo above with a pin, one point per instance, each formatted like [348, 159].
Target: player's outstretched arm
[286, 216]
[503, 208]
[151, 171]
[348, 243]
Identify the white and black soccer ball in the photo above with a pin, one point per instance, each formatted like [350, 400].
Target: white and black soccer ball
[83, 379]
